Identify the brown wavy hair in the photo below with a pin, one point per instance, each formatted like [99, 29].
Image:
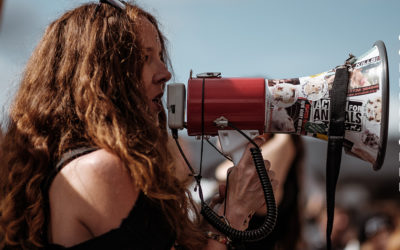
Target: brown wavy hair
[82, 87]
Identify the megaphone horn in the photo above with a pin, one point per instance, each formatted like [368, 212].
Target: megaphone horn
[296, 105]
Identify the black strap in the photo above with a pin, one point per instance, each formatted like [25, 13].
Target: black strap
[73, 154]
[66, 158]
[336, 132]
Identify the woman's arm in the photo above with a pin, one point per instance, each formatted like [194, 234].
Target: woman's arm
[280, 152]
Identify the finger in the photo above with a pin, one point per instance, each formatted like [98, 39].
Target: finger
[267, 164]
[259, 140]
[217, 199]
[271, 174]
[274, 184]
[266, 136]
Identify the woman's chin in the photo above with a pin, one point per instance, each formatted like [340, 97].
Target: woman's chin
[154, 116]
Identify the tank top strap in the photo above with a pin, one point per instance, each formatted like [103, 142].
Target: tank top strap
[71, 155]
[65, 159]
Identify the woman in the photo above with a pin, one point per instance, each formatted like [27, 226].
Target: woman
[85, 163]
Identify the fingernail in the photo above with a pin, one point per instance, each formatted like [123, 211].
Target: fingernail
[262, 137]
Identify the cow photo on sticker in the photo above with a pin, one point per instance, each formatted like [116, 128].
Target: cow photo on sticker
[281, 121]
[284, 92]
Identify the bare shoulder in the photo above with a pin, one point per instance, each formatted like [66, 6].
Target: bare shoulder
[99, 165]
[96, 190]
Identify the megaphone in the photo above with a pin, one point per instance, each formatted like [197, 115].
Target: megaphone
[297, 106]
[347, 105]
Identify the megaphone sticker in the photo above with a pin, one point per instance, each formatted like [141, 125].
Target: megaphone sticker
[314, 87]
[301, 105]
[366, 74]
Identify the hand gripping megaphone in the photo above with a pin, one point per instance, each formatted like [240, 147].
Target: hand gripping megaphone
[303, 106]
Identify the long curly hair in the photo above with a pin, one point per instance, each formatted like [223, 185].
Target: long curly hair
[82, 87]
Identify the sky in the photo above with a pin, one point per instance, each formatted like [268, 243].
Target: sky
[239, 38]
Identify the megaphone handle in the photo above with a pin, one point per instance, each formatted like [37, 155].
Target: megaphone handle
[234, 144]
[237, 155]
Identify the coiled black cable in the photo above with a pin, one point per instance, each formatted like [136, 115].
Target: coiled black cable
[251, 235]
[215, 220]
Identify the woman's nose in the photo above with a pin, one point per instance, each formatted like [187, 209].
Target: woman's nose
[163, 75]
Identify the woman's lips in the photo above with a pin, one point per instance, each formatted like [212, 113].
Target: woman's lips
[157, 104]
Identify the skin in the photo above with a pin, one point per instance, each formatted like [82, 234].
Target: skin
[154, 73]
[94, 193]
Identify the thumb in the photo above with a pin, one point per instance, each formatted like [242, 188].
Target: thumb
[260, 140]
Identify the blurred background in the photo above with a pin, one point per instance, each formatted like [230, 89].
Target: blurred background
[253, 38]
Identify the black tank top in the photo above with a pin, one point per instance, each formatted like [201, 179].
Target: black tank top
[144, 228]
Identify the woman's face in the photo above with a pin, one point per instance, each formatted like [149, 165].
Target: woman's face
[154, 73]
